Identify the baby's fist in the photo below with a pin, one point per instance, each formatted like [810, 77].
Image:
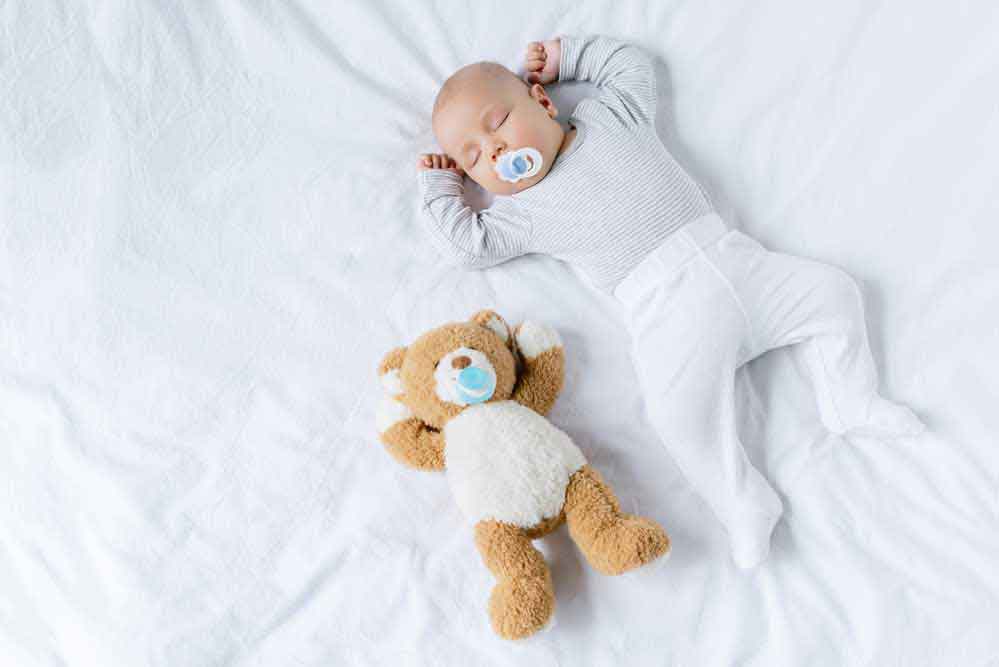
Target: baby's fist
[438, 161]
[542, 61]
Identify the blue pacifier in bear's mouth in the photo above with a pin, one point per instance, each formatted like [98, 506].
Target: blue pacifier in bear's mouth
[475, 385]
[519, 164]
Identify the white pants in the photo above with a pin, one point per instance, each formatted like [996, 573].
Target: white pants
[706, 302]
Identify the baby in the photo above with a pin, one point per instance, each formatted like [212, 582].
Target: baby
[702, 300]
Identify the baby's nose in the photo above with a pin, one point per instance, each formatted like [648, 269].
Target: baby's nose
[498, 150]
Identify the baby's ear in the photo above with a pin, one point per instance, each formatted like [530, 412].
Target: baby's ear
[388, 371]
[491, 320]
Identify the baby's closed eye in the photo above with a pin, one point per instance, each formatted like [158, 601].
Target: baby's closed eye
[500, 120]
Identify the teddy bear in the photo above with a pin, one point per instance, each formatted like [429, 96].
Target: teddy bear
[471, 399]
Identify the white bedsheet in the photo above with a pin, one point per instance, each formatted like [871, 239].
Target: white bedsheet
[209, 236]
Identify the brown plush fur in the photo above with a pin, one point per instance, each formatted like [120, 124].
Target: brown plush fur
[421, 358]
[523, 598]
[540, 382]
[613, 542]
[483, 319]
[392, 361]
[412, 443]
[545, 526]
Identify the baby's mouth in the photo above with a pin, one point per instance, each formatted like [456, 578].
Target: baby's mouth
[518, 165]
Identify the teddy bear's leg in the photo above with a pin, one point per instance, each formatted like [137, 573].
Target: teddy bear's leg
[613, 542]
[524, 598]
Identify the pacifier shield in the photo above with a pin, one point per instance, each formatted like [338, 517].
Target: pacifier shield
[519, 164]
[476, 385]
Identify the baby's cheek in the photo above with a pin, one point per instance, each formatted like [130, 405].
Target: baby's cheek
[529, 133]
[539, 136]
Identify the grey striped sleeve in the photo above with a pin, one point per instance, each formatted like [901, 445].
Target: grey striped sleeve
[623, 73]
[470, 239]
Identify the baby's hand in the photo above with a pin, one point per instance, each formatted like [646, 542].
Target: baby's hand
[542, 61]
[438, 161]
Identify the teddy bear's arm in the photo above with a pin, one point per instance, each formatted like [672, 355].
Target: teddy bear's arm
[407, 438]
[543, 373]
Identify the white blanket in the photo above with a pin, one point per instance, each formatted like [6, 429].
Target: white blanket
[209, 236]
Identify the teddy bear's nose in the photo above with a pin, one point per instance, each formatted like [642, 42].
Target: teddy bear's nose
[461, 362]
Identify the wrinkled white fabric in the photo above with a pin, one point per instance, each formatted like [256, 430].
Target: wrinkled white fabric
[209, 236]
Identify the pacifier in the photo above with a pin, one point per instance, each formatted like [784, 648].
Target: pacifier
[519, 164]
[475, 385]
[465, 377]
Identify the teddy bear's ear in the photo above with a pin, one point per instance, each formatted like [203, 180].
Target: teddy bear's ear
[388, 371]
[491, 320]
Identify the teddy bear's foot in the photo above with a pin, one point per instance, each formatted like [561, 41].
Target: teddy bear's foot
[520, 607]
[523, 600]
[613, 542]
[628, 543]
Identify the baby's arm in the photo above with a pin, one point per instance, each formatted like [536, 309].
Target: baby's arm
[470, 239]
[623, 73]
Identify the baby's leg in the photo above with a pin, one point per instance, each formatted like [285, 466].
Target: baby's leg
[689, 339]
[818, 309]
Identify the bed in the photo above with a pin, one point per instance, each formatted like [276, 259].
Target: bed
[209, 235]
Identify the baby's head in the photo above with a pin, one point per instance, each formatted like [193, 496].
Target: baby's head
[483, 111]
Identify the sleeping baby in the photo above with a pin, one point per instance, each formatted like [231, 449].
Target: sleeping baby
[701, 299]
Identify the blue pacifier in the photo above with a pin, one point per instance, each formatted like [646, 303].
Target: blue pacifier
[475, 385]
[519, 164]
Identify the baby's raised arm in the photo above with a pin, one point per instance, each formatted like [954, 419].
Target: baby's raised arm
[623, 73]
[470, 239]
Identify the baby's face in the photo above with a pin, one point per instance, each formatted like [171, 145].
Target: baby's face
[489, 116]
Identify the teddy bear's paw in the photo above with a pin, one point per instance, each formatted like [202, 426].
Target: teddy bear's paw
[390, 412]
[392, 383]
[627, 544]
[522, 606]
[534, 338]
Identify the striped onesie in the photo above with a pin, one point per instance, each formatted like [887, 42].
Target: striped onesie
[611, 198]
